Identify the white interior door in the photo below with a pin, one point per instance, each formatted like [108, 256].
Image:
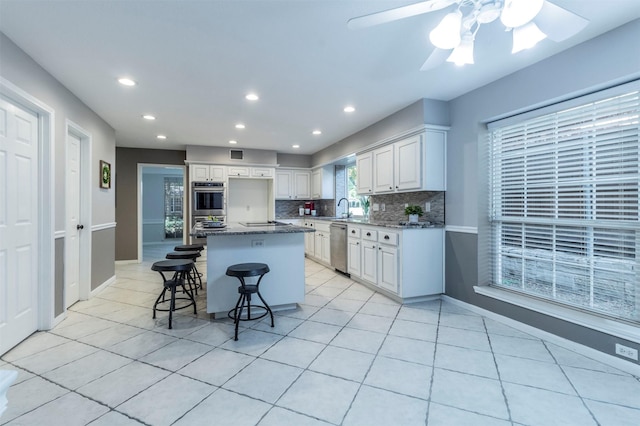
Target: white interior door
[73, 228]
[18, 224]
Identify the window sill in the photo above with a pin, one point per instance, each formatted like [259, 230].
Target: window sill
[592, 321]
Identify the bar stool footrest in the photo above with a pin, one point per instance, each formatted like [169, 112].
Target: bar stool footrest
[232, 314]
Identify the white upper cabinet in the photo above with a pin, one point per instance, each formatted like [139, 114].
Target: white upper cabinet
[207, 173]
[408, 164]
[322, 183]
[262, 172]
[416, 163]
[292, 184]
[364, 165]
[383, 169]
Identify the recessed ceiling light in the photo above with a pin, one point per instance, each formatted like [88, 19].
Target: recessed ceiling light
[240, 126]
[148, 117]
[317, 132]
[252, 97]
[233, 142]
[295, 146]
[349, 109]
[161, 137]
[126, 81]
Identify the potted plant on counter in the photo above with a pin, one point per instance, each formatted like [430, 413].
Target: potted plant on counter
[365, 203]
[414, 212]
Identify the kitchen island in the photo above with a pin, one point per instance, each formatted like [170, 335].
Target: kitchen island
[280, 246]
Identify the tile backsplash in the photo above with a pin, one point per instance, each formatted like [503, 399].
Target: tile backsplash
[394, 206]
[289, 208]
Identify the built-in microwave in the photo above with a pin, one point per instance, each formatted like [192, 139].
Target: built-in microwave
[208, 199]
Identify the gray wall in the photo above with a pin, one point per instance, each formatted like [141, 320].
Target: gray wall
[102, 256]
[18, 68]
[294, 160]
[126, 235]
[604, 61]
[423, 111]
[221, 155]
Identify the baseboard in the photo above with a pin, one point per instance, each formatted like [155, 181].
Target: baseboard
[102, 286]
[602, 357]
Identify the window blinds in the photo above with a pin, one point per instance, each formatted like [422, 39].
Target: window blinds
[564, 205]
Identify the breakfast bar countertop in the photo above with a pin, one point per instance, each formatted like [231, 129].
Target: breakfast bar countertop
[199, 231]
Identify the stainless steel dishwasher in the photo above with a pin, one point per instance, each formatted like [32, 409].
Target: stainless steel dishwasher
[339, 246]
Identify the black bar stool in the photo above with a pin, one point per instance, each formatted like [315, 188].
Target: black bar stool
[191, 255]
[192, 247]
[181, 269]
[241, 271]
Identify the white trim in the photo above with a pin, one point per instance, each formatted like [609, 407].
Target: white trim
[153, 222]
[57, 320]
[594, 322]
[238, 163]
[463, 229]
[46, 199]
[595, 354]
[102, 286]
[103, 226]
[59, 234]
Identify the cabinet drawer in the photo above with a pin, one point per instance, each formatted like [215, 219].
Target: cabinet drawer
[353, 232]
[389, 238]
[369, 234]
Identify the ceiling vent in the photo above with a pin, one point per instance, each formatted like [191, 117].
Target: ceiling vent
[236, 154]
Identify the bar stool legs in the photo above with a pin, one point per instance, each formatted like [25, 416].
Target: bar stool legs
[245, 290]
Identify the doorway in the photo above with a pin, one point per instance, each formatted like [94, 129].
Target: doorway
[161, 209]
[26, 213]
[78, 215]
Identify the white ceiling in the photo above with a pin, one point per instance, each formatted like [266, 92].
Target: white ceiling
[195, 61]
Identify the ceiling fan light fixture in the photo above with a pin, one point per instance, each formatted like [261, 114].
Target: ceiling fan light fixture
[447, 34]
[526, 36]
[517, 13]
[489, 12]
[463, 53]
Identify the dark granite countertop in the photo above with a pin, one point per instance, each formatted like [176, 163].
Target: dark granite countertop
[381, 223]
[238, 229]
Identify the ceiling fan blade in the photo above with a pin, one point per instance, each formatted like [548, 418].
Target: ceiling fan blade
[558, 23]
[398, 13]
[437, 57]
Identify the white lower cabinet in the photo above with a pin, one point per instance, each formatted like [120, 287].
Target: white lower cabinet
[354, 255]
[322, 242]
[403, 263]
[309, 240]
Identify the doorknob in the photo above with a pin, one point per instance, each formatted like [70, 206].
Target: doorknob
[79, 226]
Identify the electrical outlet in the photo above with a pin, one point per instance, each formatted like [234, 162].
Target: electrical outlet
[626, 352]
[406, 205]
[383, 207]
[427, 207]
[376, 207]
[257, 243]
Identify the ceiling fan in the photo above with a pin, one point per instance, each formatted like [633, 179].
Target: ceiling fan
[529, 21]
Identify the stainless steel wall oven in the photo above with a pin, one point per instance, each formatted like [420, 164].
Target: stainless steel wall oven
[208, 199]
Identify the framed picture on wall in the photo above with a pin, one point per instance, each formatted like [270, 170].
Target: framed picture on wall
[105, 175]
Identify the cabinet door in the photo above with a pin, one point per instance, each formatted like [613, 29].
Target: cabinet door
[326, 248]
[408, 164]
[238, 171]
[317, 245]
[301, 185]
[316, 184]
[309, 243]
[218, 173]
[364, 167]
[353, 257]
[388, 268]
[383, 169]
[283, 185]
[199, 172]
[369, 261]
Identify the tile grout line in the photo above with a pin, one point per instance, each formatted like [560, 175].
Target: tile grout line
[495, 362]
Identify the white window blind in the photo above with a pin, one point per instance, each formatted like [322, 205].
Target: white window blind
[564, 205]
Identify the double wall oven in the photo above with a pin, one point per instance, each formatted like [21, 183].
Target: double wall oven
[207, 199]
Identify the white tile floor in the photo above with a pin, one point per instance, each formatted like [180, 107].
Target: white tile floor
[348, 356]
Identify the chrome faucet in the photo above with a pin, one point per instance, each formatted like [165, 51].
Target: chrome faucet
[347, 200]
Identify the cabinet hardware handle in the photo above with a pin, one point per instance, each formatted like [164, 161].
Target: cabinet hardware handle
[379, 248]
[386, 237]
[79, 226]
[353, 231]
[391, 187]
[368, 234]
